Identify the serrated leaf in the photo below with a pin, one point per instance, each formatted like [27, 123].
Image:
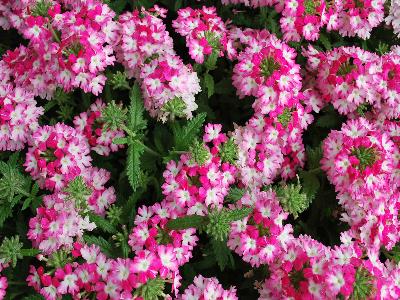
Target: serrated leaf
[178, 4]
[102, 223]
[118, 5]
[133, 170]
[209, 83]
[30, 252]
[120, 141]
[314, 156]
[310, 183]
[136, 121]
[211, 61]
[186, 222]
[222, 254]
[325, 41]
[104, 245]
[185, 136]
[237, 214]
[235, 194]
[329, 120]
[33, 297]
[224, 87]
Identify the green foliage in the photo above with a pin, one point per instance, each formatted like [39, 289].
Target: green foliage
[133, 169]
[222, 254]
[363, 285]
[175, 107]
[292, 198]
[314, 156]
[10, 250]
[106, 247]
[102, 223]
[210, 85]
[393, 254]
[79, 192]
[136, 120]
[114, 214]
[191, 221]
[184, 136]
[153, 289]
[229, 151]
[59, 259]
[41, 8]
[113, 115]
[235, 194]
[216, 224]
[14, 187]
[199, 153]
[310, 184]
[119, 81]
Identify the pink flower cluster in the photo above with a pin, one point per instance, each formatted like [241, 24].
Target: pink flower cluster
[57, 154]
[164, 250]
[146, 50]
[207, 288]
[305, 18]
[100, 139]
[267, 70]
[261, 237]
[197, 187]
[70, 45]
[394, 16]
[278, 4]
[19, 113]
[205, 33]
[271, 146]
[353, 79]
[57, 224]
[362, 161]
[106, 278]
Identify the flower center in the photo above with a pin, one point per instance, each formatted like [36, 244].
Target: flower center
[285, 117]
[310, 6]
[366, 156]
[359, 3]
[48, 155]
[163, 237]
[295, 278]
[346, 67]
[268, 66]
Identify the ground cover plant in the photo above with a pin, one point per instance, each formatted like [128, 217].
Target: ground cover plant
[187, 149]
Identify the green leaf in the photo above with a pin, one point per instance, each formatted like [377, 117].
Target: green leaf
[105, 246]
[325, 41]
[310, 183]
[178, 4]
[235, 194]
[33, 297]
[329, 120]
[136, 121]
[118, 5]
[314, 156]
[120, 141]
[30, 252]
[185, 136]
[102, 223]
[222, 253]
[186, 222]
[224, 87]
[237, 214]
[153, 289]
[209, 83]
[211, 60]
[134, 172]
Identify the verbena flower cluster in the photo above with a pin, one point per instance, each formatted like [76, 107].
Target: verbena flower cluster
[132, 194]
